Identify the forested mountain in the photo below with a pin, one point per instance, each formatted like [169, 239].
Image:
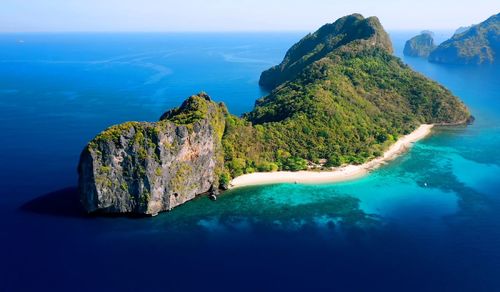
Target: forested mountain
[479, 44]
[338, 95]
[420, 46]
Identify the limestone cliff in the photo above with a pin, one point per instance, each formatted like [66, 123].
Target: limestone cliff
[146, 168]
[420, 46]
[339, 95]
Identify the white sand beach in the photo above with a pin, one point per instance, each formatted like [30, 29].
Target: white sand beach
[343, 173]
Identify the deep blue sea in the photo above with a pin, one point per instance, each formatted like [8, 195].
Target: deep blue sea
[428, 221]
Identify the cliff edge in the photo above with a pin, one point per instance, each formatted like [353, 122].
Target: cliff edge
[420, 46]
[146, 168]
[339, 97]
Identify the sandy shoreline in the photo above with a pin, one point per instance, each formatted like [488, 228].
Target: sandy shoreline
[344, 173]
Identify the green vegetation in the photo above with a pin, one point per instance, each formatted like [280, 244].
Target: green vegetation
[194, 109]
[420, 46]
[317, 45]
[346, 107]
[180, 170]
[144, 198]
[350, 106]
[288, 162]
[339, 95]
[242, 147]
[267, 167]
[113, 134]
[224, 179]
[124, 186]
[479, 44]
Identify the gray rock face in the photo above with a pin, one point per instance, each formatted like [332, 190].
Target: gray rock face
[146, 168]
[420, 46]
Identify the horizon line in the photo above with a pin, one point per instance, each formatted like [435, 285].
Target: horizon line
[203, 31]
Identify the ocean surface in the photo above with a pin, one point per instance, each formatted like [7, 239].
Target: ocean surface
[428, 221]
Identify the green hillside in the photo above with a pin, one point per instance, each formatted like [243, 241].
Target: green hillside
[480, 44]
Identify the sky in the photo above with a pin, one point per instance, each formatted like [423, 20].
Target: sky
[233, 15]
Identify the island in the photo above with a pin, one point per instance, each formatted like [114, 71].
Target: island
[420, 46]
[479, 44]
[462, 29]
[339, 102]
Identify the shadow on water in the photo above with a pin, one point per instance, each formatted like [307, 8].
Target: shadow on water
[61, 203]
[66, 203]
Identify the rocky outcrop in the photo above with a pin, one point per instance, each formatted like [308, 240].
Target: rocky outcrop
[341, 96]
[420, 46]
[349, 29]
[480, 44]
[462, 29]
[146, 168]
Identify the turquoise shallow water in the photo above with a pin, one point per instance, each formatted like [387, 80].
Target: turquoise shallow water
[428, 221]
[431, 184]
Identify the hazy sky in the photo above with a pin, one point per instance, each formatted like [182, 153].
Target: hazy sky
[233, 15]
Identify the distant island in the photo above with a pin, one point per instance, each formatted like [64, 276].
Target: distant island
[339, 99]
[462, 29]
[479, 44]
[420, 46]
